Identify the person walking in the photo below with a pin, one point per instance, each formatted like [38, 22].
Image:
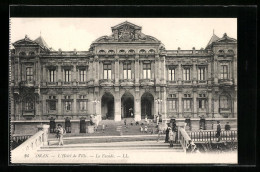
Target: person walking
[218, 131]
[60, 132]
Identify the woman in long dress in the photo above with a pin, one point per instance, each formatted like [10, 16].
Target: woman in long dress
[171, 137]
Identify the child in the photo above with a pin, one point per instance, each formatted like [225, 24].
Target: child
[141, 129]
[145, 129]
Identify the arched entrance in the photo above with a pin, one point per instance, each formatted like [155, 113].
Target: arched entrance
[127, 105]
[107, 106]
[147, 104]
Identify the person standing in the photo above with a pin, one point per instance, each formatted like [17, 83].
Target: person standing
[157, 120]
[171, 137]
[61, 132]
[167, 135]
[227, 126]
[218, 131]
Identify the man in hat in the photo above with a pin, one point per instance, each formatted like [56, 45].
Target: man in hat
[218, 131]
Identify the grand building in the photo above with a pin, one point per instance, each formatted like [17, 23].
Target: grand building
[125, 75]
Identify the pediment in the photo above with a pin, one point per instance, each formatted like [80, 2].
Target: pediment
[126, 24]
[226, 38]
[24, 42]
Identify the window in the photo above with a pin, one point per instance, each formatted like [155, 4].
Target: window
[224, 102]
[201, 73]
[107, 71]
[146, 71]
[127, 70]
[224, 72]
[201, 104]
[82, 75]
[28, 105]
[172, 104]
[142, 51]
[171, 73]
[186, 74]
[29, 74]
[52, 75]
[102, 52]
[83, 105]
[187, 95]
[67, 105]
[67, 75]
[186, 104]
[52, 105]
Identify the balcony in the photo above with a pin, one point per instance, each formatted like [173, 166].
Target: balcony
[52, 83]
[27, 83]
[146, 82]
[126, 82]
[28, 113]
[106, 82]
[227, 82]
[224, 110]
[202, 82]
[172, 82]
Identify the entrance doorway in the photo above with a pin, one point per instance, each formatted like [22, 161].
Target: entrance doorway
[107, 106]
[127, 103]
[147, 104]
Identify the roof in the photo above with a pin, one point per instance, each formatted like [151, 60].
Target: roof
[126, 23]
[212, 39]
[41, 41]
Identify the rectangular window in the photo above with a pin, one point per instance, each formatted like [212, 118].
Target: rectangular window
[201, 104]
[201, 74]
[146, 71]
[186, 74]
[52, 75]
[68, 105]
[67, 75]
[52, 105]
[224, 72]
[171, 73]
[127, 71]
[186, 104]
[82, 75]
[28, 105]
[29, 74]
[107, 71]
[83, 105]
[172, 104]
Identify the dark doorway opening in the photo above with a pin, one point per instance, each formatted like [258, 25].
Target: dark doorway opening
[107, 106]
[147, 103]
[82, 124]
[67, 125]
[127, 103]
[52, 125]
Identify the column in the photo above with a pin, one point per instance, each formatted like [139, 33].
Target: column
[163, 69]
[96, 70]
[117, 112]
[216, 105]
[44, 75]
[59, 108]
[210, 104]
[235, 70]
[74, 109]
[164, 104]
[137, 107]
[180, 104]
[215, 70]
[74, 75]
[194, 78]
[116, 70]
[44, 108]
[137, 73]
[235, 103]
[195, 112]
[179, 73]
[59, 75]
[157, 69]
[209, 77]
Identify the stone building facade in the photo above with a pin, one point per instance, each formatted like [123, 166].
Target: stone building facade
[125, 75]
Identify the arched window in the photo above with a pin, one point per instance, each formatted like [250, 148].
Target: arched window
[220, 51]
[151, 51]
[102, 52]
[131, 51]
[111, 52]
[142, 51]
[122, 52]
[224, 101]
[230, 53]
[22, 54]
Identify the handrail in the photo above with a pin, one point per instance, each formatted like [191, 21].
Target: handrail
[184, 138]
[31, 144]
[210, 135]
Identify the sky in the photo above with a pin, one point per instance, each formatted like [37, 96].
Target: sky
[78, 33]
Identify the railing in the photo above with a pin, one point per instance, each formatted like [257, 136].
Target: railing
[32, 143]
[210, 135]
[17, 140]
[184, 138]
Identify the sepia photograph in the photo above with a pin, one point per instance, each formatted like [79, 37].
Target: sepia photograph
[123, 90]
